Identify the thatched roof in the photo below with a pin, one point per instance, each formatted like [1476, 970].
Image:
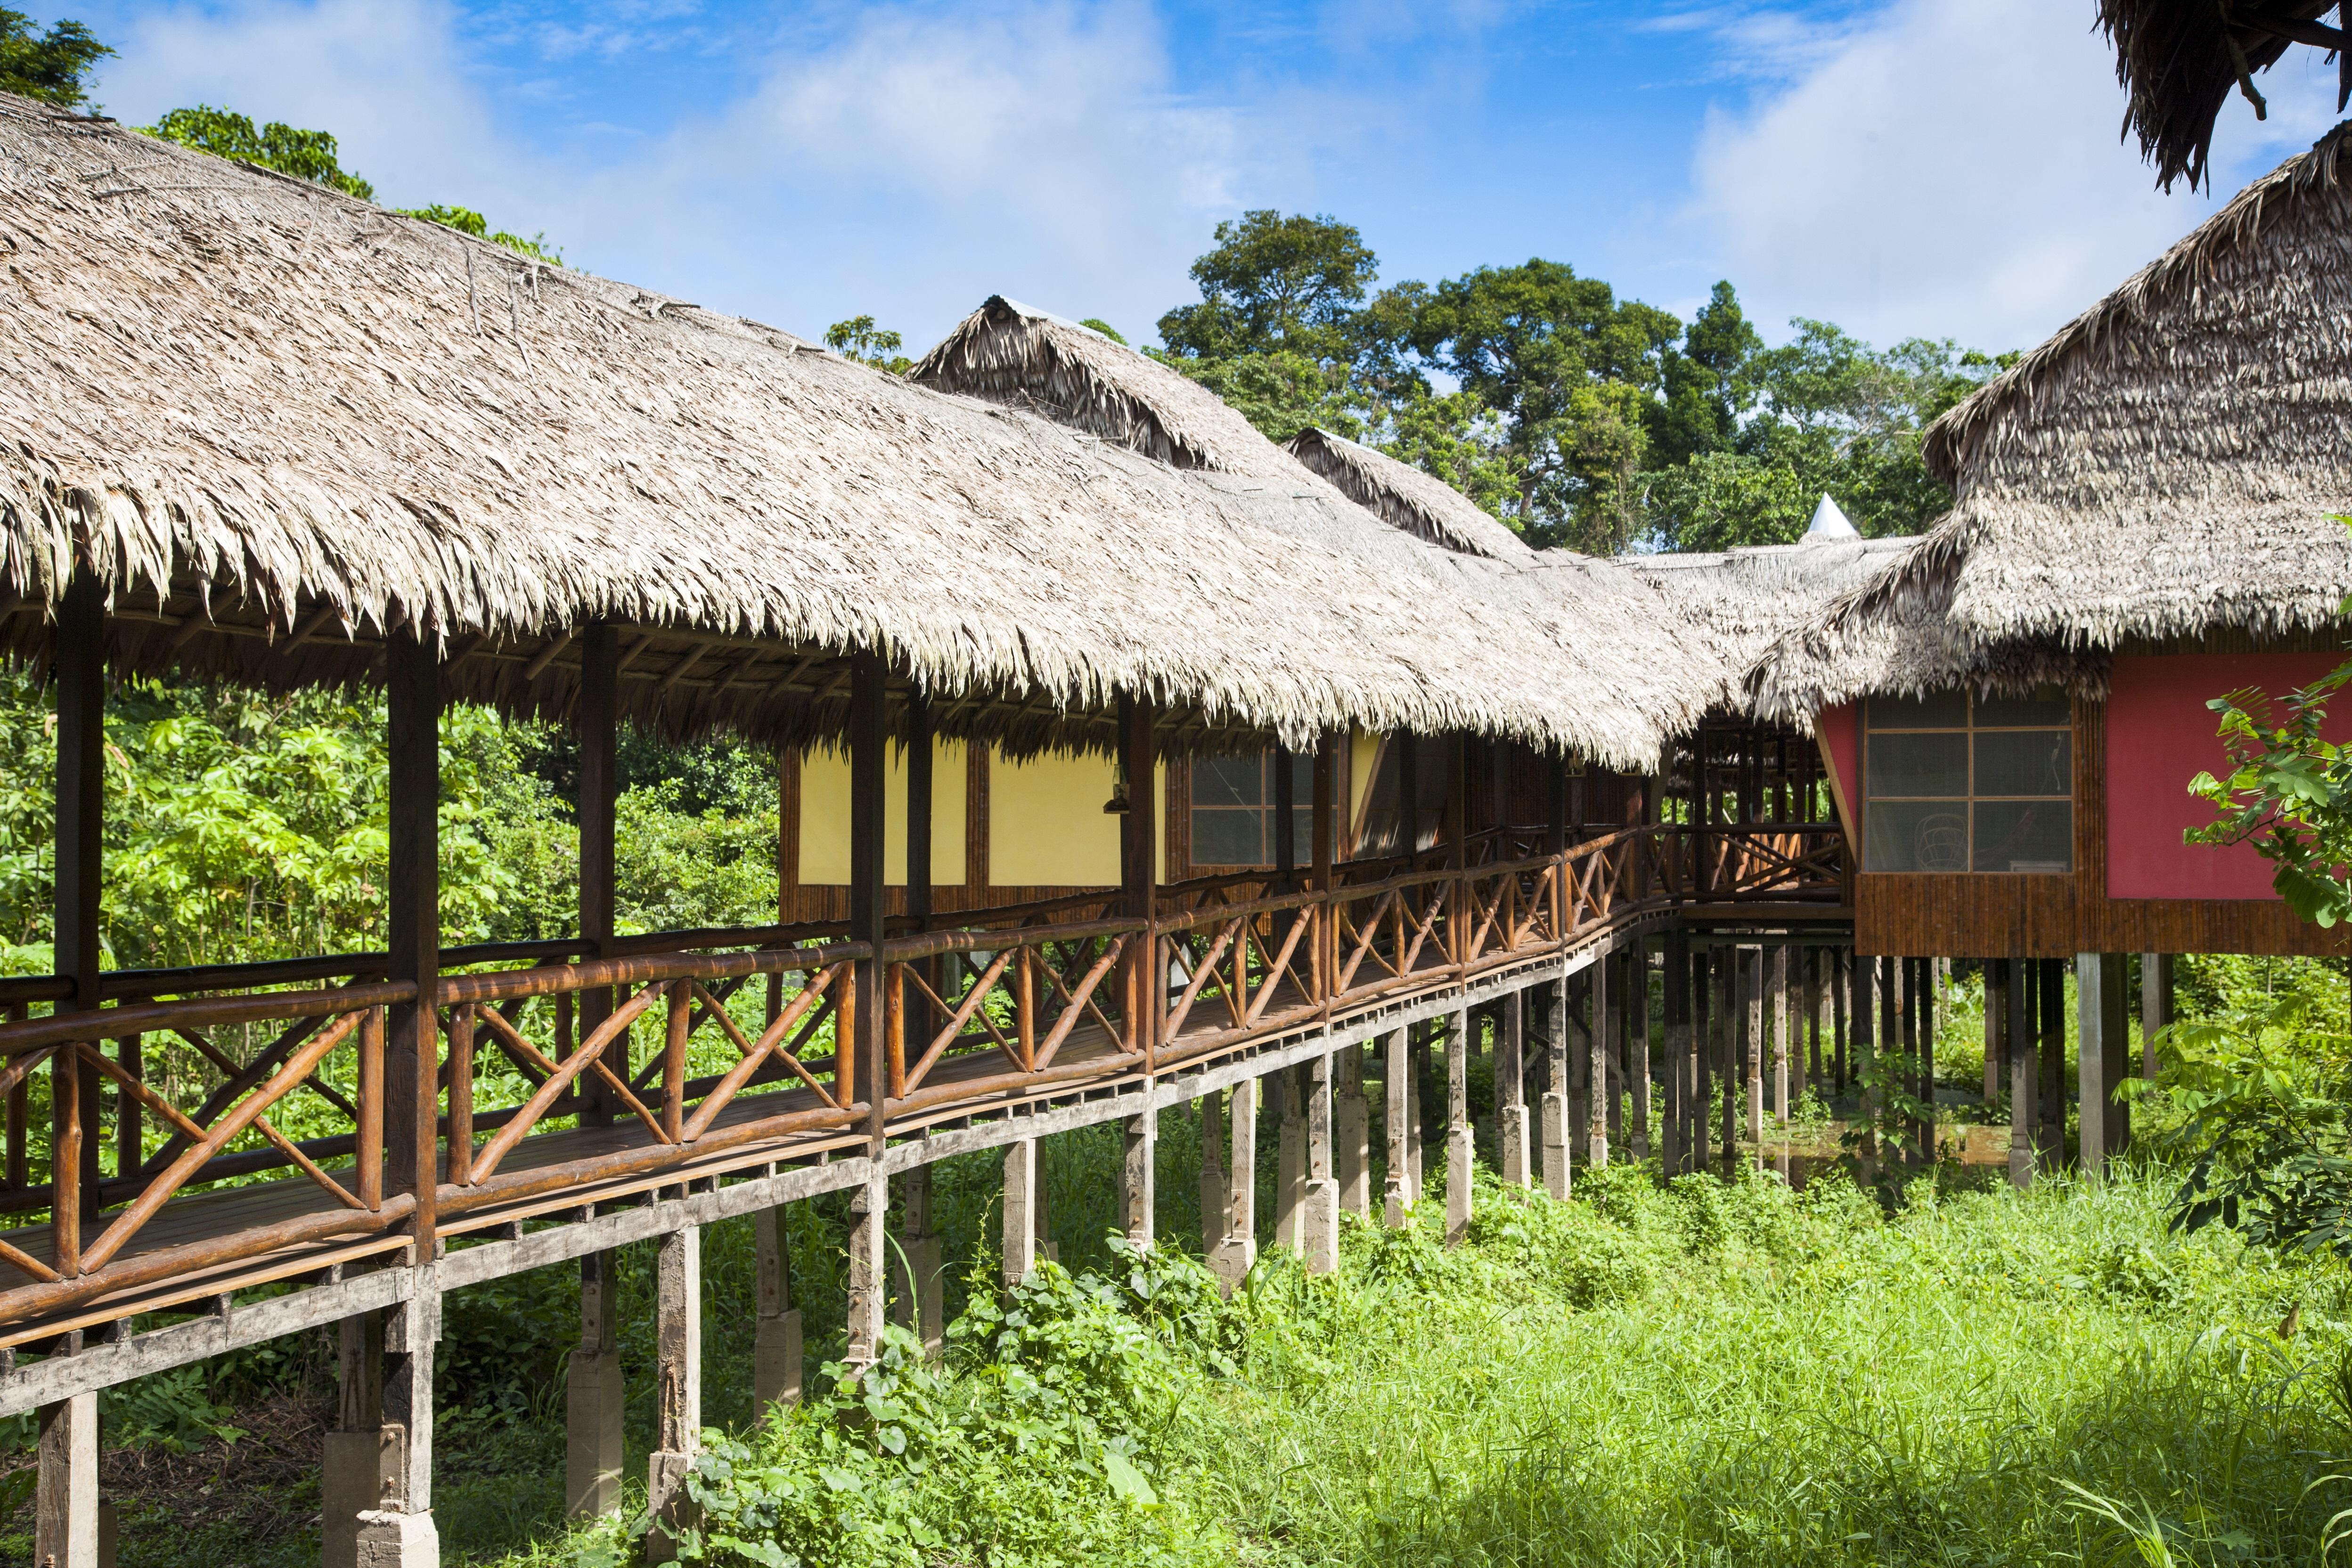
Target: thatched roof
[1583, 639]
[1740, 600]
[1421, 504]
[278, 420]
[2168, 465]
[2180, 60]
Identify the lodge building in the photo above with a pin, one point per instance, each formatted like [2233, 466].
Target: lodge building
[1129, 762]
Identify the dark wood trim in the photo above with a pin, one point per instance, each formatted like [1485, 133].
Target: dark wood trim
[412, 948]
[788, 823]
[975, 823]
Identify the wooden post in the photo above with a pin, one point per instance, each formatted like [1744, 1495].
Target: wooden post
[2102, 1058]
[1779, 1009]
[1551, 1117]
[913, 1010]
[1324, 833]
[1617, 1032]
[1396, 1100]
[1457, 1127]
[1699, 1087]
[1320, 1222]
[1841, 964]
[868, 1034]
[361, 1455]
[1674, 1007]
[2018, 996]
[596, 727]
[1407, 750]
[1020, 1215]
[1216, 1191]
[1805, 1024]
[1596, 1132]
[1511, 1091]
[1286, 826]
[1862, 1028]
[1933, 982]
[917, 1300]
[1290, 1164]
[1236, 1250]
[1351, 1128]
[65, 1504]
[776, 1331]
[2050, 1141]
[412, 1057]
[2155, 1005]
[593, 1394]
[1750, 964]
[1636, 1012]
[411, 1329]
[678, 1388]
[1416, 1117]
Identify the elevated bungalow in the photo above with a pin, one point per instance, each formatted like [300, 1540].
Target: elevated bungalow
[2147, 517]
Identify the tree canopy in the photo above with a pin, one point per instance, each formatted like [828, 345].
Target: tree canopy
[1575, 415]
[48, 66]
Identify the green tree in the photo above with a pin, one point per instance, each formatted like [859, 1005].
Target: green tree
[859, 338]
[304, 154]
[1706, 383]
[1274, 283]
[1570, 371]
[48, 66]
[464, 220]
[1106, 328]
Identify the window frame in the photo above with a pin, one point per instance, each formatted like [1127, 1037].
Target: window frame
[1970, 799]
[1302, 810]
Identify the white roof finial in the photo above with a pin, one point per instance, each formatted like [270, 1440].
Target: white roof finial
[1829, 523]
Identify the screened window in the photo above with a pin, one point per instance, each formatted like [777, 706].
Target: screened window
[1960, 783]
[1233, 810]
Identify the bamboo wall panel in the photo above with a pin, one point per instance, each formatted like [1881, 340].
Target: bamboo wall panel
[1976, 915]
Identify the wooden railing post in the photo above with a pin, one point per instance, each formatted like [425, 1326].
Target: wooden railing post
[595, 723]
[1326, 968]
[680, 1024]
[413, 738]
[81, 828]
[1146, 986]
[461, 1094]
[868, 803]
[369, 1152]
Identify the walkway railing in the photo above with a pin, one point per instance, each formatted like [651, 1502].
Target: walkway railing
[557, 1079]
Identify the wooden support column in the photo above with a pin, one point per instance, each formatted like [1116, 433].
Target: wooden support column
[917, 1264]
[1236, 1250]
[361, 1454]
[2102, 1058]
[1289, 1164]
[1673, 1018]
[678, 1388]
[1841, 961]
[1407, 750]
[1932, 983]
[2050, 1138]
[776, 1330]
[1146, 966]
[1996, 1027]
[2155, 1005]
[596, 727]
[1724, 1003]
[1416, 1120]
[400, 1533]
[1864, 1028]
[1320, 1223]
[412, 1051]
[1805, 1025]
[1511, 1091]
[1020, 1219]
[1216, 1191]
[1596, 1131]
[1699, 1086]
[1457, 1128]
[1782, 1046]
[65, 1503]
[1396, 1101]
[1554, 1117]
[1636, 1012]
[1351, 1133]
[2018, 996]
[593, 1394]
[868, 1047]
[1618, 1034]
[1752, 1035]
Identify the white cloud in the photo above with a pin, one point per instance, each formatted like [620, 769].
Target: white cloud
[905, 161]
[1951, 168]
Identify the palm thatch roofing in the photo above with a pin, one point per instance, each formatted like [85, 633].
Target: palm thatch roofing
[1582, 639]
[1739, 601]
[2180, 60]
[2169, 466]
[1421, 504]
[276, 421]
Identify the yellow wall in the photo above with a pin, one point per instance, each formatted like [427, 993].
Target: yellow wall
[1363, 751]
[1046, 823]
[824, 816]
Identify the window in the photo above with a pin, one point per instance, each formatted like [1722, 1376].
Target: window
[1233, 810]
[1382, 831]
[1960, 783]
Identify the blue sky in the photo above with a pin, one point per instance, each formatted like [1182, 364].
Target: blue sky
[1941, 168]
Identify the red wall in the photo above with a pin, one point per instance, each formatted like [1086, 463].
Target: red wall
[2159, 736]
[1839, 729]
